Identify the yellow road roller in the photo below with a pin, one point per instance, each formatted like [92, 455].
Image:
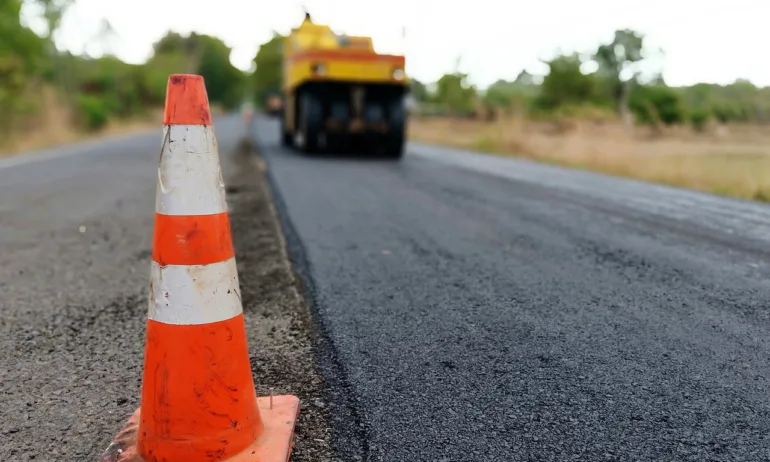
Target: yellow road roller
[340, 94]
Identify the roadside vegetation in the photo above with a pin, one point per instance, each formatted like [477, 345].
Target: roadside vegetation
[596, 110]
[607, 110]
[51, 97]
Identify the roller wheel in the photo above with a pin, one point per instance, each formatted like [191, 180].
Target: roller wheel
[310, 122]
[286, 138]
[394, 141]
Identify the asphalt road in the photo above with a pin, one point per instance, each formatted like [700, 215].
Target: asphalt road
[475, 308]
[75, 239]
[470, 308]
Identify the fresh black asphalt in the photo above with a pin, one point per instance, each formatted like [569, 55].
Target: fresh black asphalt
[484, 309]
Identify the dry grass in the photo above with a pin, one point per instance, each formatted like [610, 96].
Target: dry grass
[732, 161]
[53, 127]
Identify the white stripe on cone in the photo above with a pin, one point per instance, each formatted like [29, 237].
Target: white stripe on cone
[189, 175]
[194, 294]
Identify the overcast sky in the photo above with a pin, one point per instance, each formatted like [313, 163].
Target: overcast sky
[713, 41]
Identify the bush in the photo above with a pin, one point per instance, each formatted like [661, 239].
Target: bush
[699, 118]
[725, 112]
[93, 111]
[567, 85]
[656, 103]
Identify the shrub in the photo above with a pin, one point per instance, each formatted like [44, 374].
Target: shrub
[699, 118]
[656, 103]
[93, 112]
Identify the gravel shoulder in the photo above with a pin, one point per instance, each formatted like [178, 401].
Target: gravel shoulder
[278, 320]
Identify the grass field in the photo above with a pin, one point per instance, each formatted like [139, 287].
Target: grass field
[727, 160]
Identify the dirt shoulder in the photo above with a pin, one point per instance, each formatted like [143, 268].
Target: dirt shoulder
[278, 320]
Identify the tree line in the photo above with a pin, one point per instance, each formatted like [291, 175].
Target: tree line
[615, 87]
[97, 90]
[609, 82]
[605, 83]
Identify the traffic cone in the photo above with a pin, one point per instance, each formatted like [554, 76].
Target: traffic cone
[198, 402]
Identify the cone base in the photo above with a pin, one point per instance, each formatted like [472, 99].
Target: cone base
[274, 445]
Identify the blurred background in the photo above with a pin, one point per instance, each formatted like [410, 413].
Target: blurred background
[674, 92]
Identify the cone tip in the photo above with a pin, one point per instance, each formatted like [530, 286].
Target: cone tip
[187, 102]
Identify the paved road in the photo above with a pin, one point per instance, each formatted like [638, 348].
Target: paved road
[75, 233]
[70, 311]
[483, 309]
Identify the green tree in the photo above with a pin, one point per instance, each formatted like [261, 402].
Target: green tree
[22, 53]
[455, 93]
[18, 41]
[656, 104]
[566, 85]
[268, 72]
[616, 61]
[53, 13]
[188, 48]
[418, 90]
[204, 55]
[517, 94]
[224, 82]
[500, 94]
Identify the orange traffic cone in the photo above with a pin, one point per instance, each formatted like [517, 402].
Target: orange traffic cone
[198, 402]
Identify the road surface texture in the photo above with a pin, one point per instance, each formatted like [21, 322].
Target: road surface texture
[75, 237]
[476, 308]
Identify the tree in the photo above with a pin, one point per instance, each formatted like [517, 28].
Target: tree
[204, 55]
[268, 72]
[455, 93]
[17, 42]
[504, 94]
[616, 61]
[224, 82]
[22, 54]
[418, 90]
[656, 104]
[524, 79]
[566, 85]
[53, 13]
[189, 48]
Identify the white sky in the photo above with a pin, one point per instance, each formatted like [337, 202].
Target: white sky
[712, 40]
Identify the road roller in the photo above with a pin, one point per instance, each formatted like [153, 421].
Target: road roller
[340, 94]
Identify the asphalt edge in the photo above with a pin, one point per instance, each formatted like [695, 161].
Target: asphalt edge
[350, 441]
